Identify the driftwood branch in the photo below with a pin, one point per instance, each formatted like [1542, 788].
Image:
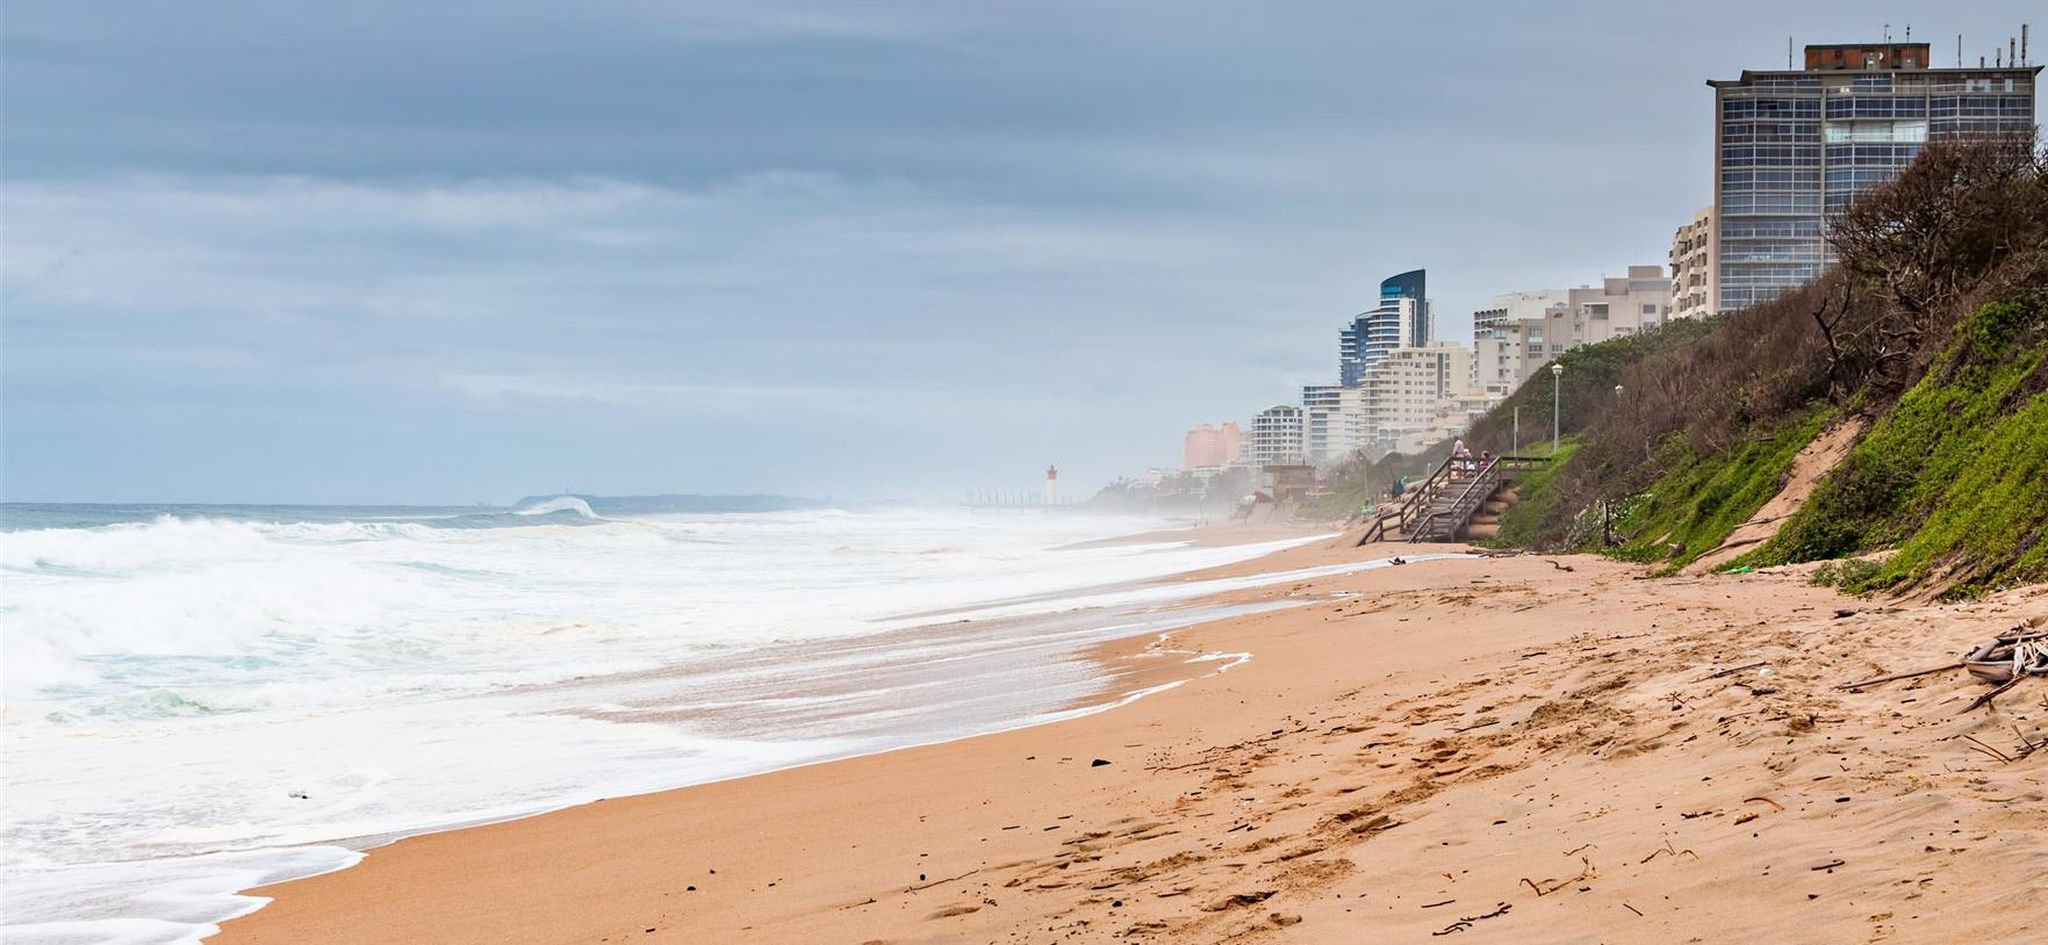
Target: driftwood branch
[1986, 698]
[1987, 749]
[1958, 664]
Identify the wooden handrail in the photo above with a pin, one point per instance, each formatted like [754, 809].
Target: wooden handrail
[1413, 504]
[1412, 515]
[1468, 501]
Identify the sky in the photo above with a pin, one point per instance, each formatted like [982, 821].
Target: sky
[394, 252]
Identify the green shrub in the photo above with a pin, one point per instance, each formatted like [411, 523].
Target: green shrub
[1955, 476]
[1538, 496]
[1847, 573]
[1703, 496]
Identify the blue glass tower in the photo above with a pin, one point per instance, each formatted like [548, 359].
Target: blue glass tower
[1400, 320]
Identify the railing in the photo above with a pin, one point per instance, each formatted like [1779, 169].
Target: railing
[1414, 504]
[1444, 524]
[1510, 461]
[1413, 516]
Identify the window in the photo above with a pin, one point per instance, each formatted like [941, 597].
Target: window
[1649, 308]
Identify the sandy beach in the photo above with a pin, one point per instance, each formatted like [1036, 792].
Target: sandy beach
[1499, 749]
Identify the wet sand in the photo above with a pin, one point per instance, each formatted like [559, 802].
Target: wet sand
[1496, 749]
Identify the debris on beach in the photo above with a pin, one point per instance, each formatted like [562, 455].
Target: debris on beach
[2005, 660]
[2008, 657]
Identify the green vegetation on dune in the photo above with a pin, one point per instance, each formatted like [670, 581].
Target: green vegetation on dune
[1955, 478]
[1537, 499]
[1934, 326]
[1703, 497]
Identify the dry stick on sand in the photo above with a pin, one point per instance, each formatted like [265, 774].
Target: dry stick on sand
[1995, 753]
[1736, 669]
[1467, 922]
[1667, 848]
[1958, 664]
[1552, 885]
[1986, 698]
[940, 882]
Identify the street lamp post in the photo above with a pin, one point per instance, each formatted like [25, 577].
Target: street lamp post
[1556, 402]
[1516, 447]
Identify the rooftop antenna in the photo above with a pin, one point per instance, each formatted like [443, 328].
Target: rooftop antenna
[1959, 50]
[1788, 52]
[2024, 58]
[2012, 51]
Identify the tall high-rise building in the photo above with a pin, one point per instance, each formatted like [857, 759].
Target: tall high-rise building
[1794, 145]
[1402, 319]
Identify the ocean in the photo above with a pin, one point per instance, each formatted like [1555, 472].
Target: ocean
[201, 699]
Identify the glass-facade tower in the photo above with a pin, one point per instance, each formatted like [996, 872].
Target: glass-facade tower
[1401, 320]
[1793, 146]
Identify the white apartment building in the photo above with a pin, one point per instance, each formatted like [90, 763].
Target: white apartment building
[1620, 306]
[1333, 422]
[1275, 436]
[1617, 307]
[1695, 288]
[1497, 362]
[1407, 391]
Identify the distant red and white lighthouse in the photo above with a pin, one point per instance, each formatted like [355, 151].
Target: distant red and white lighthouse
[1052, 475]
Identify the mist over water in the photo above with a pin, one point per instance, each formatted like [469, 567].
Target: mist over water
[201, 699]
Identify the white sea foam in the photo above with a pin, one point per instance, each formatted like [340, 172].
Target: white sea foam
[191, 702]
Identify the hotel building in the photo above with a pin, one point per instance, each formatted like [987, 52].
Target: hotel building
[1794, 145]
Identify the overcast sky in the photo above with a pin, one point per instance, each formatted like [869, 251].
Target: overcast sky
[391, 251]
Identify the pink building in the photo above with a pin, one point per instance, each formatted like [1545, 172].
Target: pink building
[1207, 445]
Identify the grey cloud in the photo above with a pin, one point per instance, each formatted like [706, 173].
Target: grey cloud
[704, 244]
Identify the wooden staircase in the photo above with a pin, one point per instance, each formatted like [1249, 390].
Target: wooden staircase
[1460, 500]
